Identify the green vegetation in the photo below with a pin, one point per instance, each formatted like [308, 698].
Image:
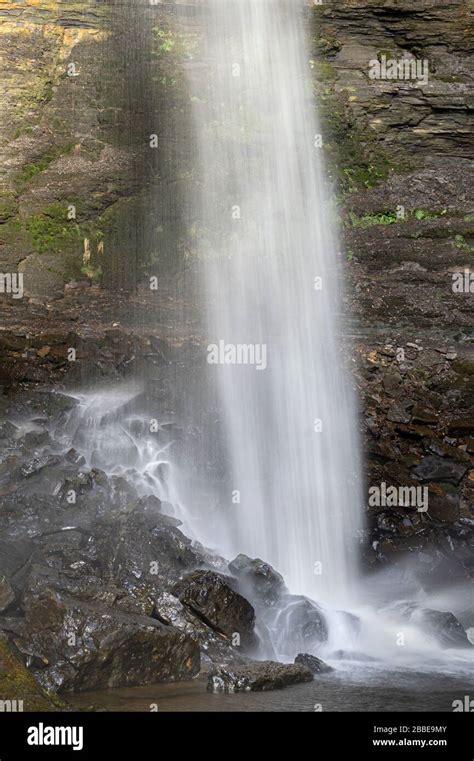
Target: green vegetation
[170, 50]
[31, 170]
[16, 683]
[390, 217]
[51, 232]
[428, 214]
[460, 242]
[367, 220]
[93, 273]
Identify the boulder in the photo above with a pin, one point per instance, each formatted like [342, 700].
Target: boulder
[259, 580]
[214, 646]
[257, 677]
[442, 626]
[315, 665]
[297, 625]
[71, 645]
[210, 596]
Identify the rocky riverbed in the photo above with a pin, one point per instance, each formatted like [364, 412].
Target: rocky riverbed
[100, 588]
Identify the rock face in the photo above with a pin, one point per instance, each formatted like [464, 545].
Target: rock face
[257, 677]
[403, 120]
[401, 166]
[72, 645]
[211, 597]
[76, 165]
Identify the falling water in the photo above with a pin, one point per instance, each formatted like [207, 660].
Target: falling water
[272, 286]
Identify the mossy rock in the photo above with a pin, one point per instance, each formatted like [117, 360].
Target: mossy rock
[8, 206]
[51, 232]
[17, 684]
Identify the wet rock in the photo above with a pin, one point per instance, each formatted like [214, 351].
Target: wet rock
[313, 664]
[211, 597]
[8, 433]
[302, 621]
[443, 626]
[85, 646]
[19, 687]
[257, 677]
[436, 469]
[258, 578]
[214, 646]
[14, 567]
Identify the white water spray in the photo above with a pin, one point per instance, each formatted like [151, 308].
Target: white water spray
[271, 277]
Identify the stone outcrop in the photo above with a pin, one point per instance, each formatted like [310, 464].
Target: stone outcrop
[257, 677]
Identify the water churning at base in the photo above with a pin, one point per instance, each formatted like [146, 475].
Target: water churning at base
[270, 278]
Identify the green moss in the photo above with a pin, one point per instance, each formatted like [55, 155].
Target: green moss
[367, 175]
[460, 242]
[31, 170]
[390, 217]
[16, 683]
[51, 232]
[428, 213]
[368, 220]
[354, 156]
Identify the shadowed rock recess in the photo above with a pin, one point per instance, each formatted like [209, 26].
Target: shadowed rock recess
[107, 591]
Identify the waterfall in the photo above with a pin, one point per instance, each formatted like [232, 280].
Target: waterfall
[270, 274]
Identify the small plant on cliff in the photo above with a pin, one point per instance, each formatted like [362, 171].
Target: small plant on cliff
[367, 220]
